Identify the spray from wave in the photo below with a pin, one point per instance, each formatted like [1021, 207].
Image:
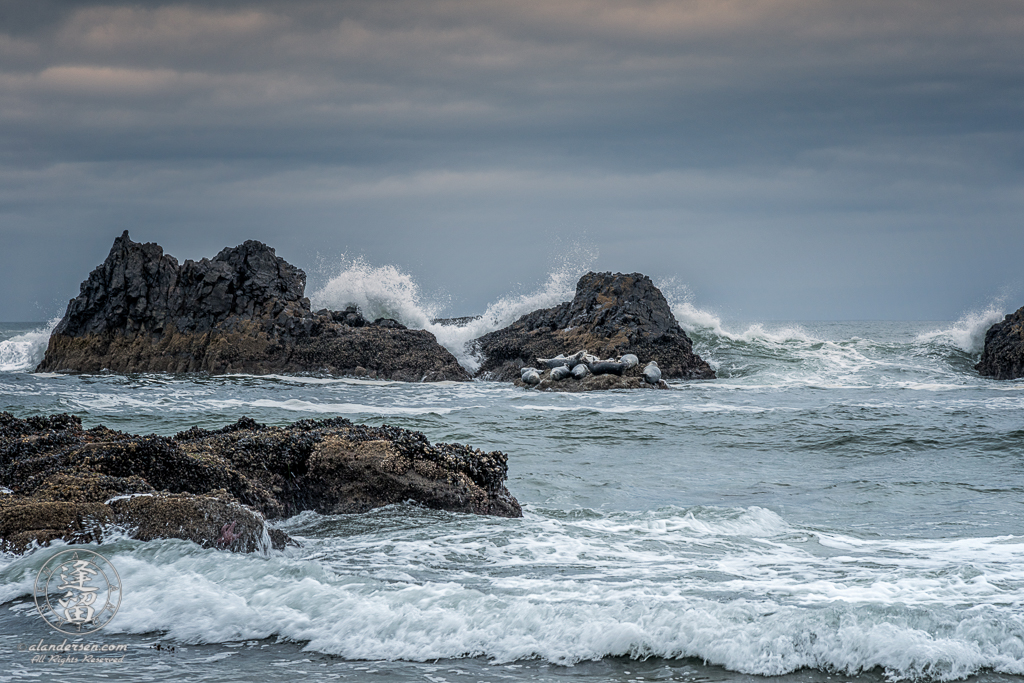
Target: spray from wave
[968, 333]
[387, 292]
[24, 352]
[702, 323]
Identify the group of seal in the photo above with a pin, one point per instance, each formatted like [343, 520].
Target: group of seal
[581, 364]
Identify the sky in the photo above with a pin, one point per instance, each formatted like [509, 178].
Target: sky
[783, 159]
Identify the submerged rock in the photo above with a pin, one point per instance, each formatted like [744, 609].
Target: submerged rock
[1003, 356]
[215, 488]
[244, 311]
[612, 315]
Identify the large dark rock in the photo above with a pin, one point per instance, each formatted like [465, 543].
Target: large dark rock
[1003, 356]
[216, 487]
[242, 311]
[612, 314]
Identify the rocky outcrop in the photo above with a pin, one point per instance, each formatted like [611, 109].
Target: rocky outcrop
[1003, 356]
[244, 311]
[611, 314]
[215, 488]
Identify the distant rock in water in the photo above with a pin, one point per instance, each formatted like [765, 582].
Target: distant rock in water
[215, 488]
[244, 311]
[1003, 356]
[611, 315]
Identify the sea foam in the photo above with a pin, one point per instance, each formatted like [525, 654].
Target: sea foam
[387, 292]
[22, 353]
[737, 587]
[968, 332]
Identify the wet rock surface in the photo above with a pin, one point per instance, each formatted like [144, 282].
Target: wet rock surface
[612, 314]
[244, 311]
[215, 488]
[1003, 355]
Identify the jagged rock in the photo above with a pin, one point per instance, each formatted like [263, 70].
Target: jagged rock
[1003, 355]
[242, 311]
[611, 315]
[216, 487]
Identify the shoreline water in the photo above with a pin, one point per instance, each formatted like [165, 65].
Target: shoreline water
[844, 496]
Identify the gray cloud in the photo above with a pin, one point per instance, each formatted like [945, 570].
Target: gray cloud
[787, 158]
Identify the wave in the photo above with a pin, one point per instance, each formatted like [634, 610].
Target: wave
[387, 292]
[24, 352]
[736, 587]
[968, 333]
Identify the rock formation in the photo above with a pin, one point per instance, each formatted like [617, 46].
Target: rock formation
[611, 315]
[216, 487]
[242, 311]
[1003, 356]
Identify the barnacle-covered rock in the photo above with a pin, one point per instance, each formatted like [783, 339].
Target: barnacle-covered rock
[215, 487]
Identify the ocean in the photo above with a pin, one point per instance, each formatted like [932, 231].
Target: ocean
[844, 503]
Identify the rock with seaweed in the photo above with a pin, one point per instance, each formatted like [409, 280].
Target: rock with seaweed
[216, 488]
[243, 311]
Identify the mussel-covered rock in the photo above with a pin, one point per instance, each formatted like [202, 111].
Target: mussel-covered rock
[60, 481]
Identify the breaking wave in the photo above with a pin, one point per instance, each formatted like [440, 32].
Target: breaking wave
[737, 587]
[967, 333]
[387, 292]
[22, 353]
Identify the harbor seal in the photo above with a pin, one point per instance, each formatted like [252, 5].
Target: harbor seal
[652, 374]
[606, 367]
[531, 378]
[560, 373]
[523, 371]
[630, 361]
[580, 371]
[562, 360]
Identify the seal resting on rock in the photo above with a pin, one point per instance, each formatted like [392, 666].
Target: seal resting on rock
[560, 373]
[531, 377]
[630, 361]
[652, 374]
[606, 367]
[562, 360]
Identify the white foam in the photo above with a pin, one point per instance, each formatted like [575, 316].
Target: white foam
[22, 353]
[967, 333]
[741, 588]
[385, 291]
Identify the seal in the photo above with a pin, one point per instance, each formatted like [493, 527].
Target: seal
[532, 377]
[630, 361]
[563, 360]
[523, 371]
[652, 374]
[606, 367]
[580, 371]
[560, 373]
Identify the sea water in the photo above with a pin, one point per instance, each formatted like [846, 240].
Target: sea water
[845, 502]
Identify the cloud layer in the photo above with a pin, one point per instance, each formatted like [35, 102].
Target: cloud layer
[787, 158]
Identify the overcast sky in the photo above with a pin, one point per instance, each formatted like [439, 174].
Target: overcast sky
[786, 159]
